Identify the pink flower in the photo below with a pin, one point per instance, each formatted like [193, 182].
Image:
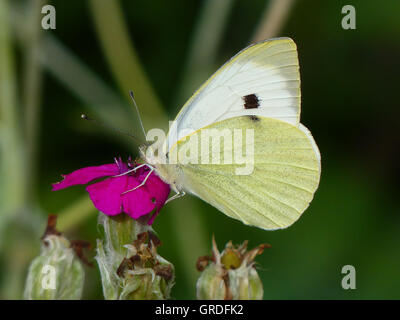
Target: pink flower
[110, 195]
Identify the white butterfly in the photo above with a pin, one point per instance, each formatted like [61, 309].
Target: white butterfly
[257, 89]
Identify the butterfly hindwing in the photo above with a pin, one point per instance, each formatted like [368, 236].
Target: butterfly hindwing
[281, 186]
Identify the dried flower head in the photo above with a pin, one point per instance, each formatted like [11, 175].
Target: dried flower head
[130, 267]
[57, 273]
[230, 274]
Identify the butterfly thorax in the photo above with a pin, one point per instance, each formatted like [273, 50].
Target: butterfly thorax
[169, 173]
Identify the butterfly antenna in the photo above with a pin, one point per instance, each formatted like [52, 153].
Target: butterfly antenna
[137, 111]
[85, 117]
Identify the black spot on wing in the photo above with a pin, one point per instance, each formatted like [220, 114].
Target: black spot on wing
[254, 118]
[251, 101]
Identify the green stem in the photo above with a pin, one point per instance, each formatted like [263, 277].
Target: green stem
[191, 236]
[12, 168]
[124, 60]
[31, 97]
[75, 214]
[200, 62]
[273, 19]
[129, 264]
[86, 85]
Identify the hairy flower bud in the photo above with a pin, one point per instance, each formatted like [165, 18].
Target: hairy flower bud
[57, 273]
[211, 284]
[129, 265]
[230, 274]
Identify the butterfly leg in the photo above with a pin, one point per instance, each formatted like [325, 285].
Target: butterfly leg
[134, 169]
[180, 194]
[143, 182]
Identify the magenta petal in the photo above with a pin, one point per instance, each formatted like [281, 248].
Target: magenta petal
[160, 191]
[85, 175]
[122, 166]
[138, 202]
[106, 195]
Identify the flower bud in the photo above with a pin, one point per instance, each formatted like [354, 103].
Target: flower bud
[230, 274]
[211, 284]
[245, 284]
[129, 265]
[57, 273]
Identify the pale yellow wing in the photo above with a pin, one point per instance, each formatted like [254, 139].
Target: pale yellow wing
[281, 186]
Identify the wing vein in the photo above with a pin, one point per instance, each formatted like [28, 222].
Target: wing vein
[228, 177]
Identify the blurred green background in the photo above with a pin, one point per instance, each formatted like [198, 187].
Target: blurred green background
[163, 50]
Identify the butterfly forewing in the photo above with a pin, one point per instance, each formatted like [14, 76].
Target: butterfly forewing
[268, 70]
